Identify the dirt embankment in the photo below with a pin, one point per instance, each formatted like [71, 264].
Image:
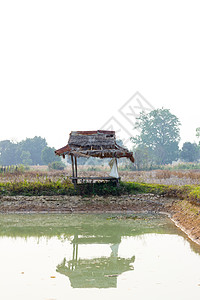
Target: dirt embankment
[64, 203]
[187, 217]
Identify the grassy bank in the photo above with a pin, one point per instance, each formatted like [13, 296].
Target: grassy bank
[64, 186]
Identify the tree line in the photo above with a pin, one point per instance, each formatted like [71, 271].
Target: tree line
[31, 151]
[156, 144]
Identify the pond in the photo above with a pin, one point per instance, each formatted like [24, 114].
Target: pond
[96, 256]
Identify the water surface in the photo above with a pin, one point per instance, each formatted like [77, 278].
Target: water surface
[137, 256]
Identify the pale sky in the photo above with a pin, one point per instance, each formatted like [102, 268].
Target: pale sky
[71, 65]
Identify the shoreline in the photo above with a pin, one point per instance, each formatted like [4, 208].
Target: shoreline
[181, 212]
[187, 232]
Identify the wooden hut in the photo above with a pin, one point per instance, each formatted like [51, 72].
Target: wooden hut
[100, 143]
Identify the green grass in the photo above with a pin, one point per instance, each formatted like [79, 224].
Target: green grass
[65, 187]
[194, 195]
[32, 188]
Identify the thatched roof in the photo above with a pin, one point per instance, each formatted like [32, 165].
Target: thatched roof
[100, 143]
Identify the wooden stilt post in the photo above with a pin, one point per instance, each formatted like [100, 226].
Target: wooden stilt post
[76, 168]
[117, 179]
[72, 159]
[77, 252]
[74, 251]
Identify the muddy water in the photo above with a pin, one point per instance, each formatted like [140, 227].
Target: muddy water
[105, 256]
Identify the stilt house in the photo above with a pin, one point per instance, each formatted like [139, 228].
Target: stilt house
[100, 143]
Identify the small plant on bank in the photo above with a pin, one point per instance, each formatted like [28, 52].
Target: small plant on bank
[56, 165]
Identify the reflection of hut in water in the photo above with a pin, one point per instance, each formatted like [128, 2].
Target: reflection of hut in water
[97, 272]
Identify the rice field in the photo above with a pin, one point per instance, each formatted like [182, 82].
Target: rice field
[168, 177]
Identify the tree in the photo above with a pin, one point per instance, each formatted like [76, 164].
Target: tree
[143, 157]
[7, 153]
[160, 133]
[190, 152]
[48, 155]
[26, 158]
[34, 146]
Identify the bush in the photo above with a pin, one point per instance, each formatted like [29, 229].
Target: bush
[56, 165]
[22, 168]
